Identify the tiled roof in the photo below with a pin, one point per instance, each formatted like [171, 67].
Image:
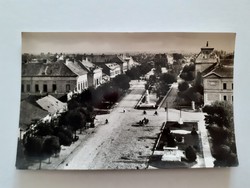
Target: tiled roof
[28, 113]
[222, 71]
[47, 69]
[51, 104]
[89, 66]
[76, 68]
[112, 65]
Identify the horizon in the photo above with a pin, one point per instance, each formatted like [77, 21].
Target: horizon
[118, 42]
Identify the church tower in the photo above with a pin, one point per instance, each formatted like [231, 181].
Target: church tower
[205, 59]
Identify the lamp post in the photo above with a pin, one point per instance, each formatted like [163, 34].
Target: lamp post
[180, 120]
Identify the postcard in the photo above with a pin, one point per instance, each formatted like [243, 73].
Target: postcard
[126, 100]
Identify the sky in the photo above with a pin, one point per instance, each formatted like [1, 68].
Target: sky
[118, 42]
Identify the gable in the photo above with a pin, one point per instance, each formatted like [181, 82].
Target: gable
[212, 75]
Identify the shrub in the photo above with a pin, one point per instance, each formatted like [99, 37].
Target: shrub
[190, 154]
[179, 138]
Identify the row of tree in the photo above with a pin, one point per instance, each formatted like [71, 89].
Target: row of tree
[219, 120]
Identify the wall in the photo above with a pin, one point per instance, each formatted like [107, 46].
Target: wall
[216, 92]
[112, 15]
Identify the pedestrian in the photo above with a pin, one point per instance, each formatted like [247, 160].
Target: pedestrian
[156, 113]
[124, 110]
[165, 109]
[144, 112]
[106, 121]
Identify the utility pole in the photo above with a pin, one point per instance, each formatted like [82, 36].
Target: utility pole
[180, 120]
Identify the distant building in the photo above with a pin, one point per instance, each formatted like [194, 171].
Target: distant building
[111, 69]
[124, 64]
[94, 73]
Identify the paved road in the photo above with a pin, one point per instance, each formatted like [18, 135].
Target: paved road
[171, 96]
[116, 145]
[120, 145]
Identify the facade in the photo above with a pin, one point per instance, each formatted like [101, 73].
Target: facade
[110, 69]
[82, 77]
[124, 65]
[218, 84]
[94, 73]
[55, 78]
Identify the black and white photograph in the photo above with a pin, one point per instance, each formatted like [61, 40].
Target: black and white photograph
[126, 100]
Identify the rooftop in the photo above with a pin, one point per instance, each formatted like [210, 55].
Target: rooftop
[47, 69]
[222, 71]
[51, 104]
[75, 67]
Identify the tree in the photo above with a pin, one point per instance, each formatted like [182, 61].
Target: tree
[190, 154]
[76, 120]
[122, 81]
[220, 126]
[51, 146]
[177, 56]
[33, 145]
[168, 78]
[183, 86]
[219, 113]
[43, 129]
[65, 135]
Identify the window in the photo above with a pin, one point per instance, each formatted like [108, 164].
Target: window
[36, 88]
[45, 88]
[224, 85]
[54, 87]
[97, 82]
[225, 98]
[79, 86]
[232, 86]
[67, 87]
[22, 88]
[28, 88]
[232, 98]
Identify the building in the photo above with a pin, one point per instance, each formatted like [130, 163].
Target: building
[51, 104]
[94, 73]
[82, 75]
[111, 69]
[205, 59]
[216, 75]
[55, 78]
[218, 84]
[124, 64]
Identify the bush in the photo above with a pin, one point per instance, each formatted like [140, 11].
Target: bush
[190, 154]
[179, 138]
[171, 141]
